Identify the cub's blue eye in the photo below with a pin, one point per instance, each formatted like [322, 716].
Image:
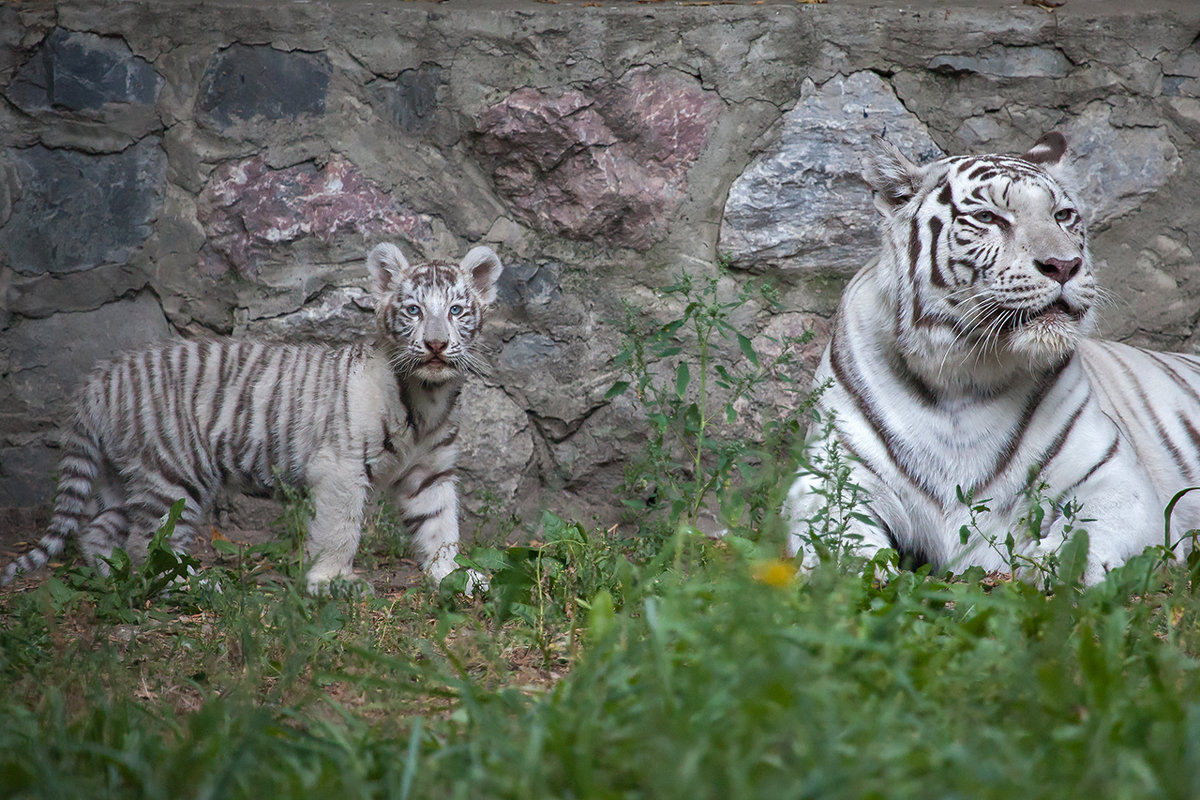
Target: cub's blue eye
[413, 310]
[1064, 214]
[456, 310]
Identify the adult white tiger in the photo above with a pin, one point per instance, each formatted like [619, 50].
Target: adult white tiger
[959, 359]
[178, 420]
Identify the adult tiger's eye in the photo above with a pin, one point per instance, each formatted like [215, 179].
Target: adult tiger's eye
[1065, 214]
[986, 217]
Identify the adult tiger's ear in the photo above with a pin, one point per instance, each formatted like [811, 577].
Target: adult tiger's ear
[484, 267]
[1050, 153]
[1048, 150]
[386, 264]
[893, 177]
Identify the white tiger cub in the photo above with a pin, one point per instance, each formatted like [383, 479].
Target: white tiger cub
[959, 358]
[180, 419]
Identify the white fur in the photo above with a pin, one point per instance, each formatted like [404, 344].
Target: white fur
[921, 408]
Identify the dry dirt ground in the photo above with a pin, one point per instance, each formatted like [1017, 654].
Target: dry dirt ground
[245, 520]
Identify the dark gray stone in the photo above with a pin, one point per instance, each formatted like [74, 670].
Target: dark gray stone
[10, 191]
[529, 283]
[411, 100]
[11, 52]
[44, 360]
[242, 83]
[42, 364]
[80, 71]
[528, 353]
[25, 475]
[76, 211]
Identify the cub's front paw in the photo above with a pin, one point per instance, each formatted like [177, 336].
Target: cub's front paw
[463, 581]
[477, 583]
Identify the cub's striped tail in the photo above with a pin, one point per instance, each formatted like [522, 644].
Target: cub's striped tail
[78, 470]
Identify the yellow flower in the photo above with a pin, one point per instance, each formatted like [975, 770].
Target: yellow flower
[774, 572]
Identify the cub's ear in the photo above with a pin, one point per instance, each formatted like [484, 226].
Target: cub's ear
[386, 264]
[893, 177]
[1048, 150]
[484, 267]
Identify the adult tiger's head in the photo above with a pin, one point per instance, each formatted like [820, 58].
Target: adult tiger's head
[429, 314]
[986, 256]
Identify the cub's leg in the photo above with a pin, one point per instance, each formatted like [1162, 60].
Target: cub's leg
[426, 495]
[339, 493]
[150, 500]
[428, 501]
[429, 510]
[103, 524]
[102, 535]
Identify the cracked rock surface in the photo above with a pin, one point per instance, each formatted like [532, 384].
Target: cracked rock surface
[174, 168]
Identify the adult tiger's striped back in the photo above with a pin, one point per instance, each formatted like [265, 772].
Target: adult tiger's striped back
[181, 419]
[959, 363]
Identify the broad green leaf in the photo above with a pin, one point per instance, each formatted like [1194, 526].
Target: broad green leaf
[747, 349]
[682, 377]
[226, 547]
[1038, 514]
[601, 616]
[616, 390]
[1073, 560]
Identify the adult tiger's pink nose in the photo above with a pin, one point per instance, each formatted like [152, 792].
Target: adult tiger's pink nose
[1058, 269]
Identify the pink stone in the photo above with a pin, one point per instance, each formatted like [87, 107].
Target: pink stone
[607, 163]
[247, 208]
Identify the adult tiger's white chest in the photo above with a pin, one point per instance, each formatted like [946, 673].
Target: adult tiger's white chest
[959, 392]
[926, 457]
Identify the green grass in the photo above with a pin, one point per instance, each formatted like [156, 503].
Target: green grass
[643, 662]
[706, 670]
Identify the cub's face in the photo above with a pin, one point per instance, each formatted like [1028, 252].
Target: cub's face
[429, 314]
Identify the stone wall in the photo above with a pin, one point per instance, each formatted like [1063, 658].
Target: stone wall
[168, 168]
